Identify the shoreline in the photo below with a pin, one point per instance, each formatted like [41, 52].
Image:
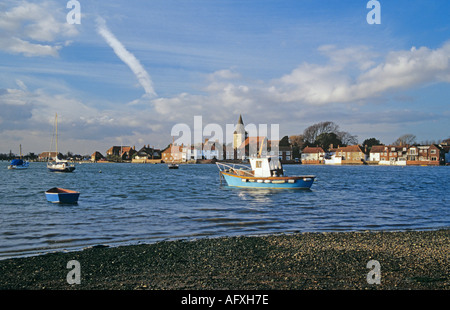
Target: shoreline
[408, 260]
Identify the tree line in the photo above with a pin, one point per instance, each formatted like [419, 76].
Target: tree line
[328, 134]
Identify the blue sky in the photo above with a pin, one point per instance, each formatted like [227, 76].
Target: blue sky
[132, 70]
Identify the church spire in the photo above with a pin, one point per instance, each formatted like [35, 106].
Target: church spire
[240, 122]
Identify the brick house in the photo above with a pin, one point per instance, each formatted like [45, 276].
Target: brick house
[352, 154]
[124, 152]
[173, 153]
[96, 156]
[389, 154]
[431, 155]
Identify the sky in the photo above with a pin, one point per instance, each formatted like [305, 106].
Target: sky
[131, 71]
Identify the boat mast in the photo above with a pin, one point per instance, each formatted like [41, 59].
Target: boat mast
[260, 148]
[56, 138]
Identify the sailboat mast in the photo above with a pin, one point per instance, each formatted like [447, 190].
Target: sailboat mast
[56, 126]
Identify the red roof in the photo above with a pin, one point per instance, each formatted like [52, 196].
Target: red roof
[377, 149]
[313, 150]
[351, 149]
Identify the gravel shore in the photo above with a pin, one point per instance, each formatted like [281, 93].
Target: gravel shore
[417, 260]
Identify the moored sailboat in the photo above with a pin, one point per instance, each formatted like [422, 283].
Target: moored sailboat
[19, 163]
[59, 165]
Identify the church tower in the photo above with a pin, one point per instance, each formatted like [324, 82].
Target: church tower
[239, 134]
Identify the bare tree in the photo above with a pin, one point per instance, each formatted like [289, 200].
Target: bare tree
[312, 132]
[297, 140]
[408, 139]
[347, 138]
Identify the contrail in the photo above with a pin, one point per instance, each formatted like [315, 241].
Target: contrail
[128, 58]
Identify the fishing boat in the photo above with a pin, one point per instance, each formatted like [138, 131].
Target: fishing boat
[59, 165]
[18, 164]
[61, 195]
[266, 173]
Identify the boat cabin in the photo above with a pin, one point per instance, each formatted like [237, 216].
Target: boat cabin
[266, 167]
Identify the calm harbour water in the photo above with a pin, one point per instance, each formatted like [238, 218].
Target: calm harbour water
[143, 203]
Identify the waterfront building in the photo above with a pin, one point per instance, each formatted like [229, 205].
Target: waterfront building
[96, 156]
[389, 155]
[430, 155]
[313, 155]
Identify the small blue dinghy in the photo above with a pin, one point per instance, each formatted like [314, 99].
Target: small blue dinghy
[61, 195]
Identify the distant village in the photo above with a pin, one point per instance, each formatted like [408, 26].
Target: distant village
[289, 150]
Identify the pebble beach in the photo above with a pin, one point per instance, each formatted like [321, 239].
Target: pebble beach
[408, 260]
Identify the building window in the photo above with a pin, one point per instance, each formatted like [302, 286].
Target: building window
[433, 152]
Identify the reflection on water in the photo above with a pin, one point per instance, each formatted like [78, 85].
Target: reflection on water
[131, 203]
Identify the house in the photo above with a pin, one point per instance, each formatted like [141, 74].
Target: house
[313, 155]
[123, 152]
[331, 158]
[389, 154]
[430, 155]
[446, 150]
[352, 154]
[208, 150]
[114, 151]
[44, 156]
[173, 153]
[96, 156]
[212, 150]
[147, 152]
[147, 155]
[284, 152]
[375, 153]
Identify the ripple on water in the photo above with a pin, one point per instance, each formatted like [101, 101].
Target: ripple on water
[129, 203]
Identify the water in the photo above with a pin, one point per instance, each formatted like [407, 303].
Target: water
[143, 203]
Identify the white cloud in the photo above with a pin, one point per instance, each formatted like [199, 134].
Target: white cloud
[333, 82]
[31, 29]
[128, 58]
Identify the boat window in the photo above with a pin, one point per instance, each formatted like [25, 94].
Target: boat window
[258, 164]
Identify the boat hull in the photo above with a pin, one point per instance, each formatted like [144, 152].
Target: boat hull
[13, 167]
[18, 164]
[60, 195]
[67, 169]
[60, 167]
[294, 182]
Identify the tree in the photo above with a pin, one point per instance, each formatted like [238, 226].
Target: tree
[371, 142]
[311, 133]
[347, 138]
[408, 139]
[285, 141]
[297, 144]
[324, 140]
